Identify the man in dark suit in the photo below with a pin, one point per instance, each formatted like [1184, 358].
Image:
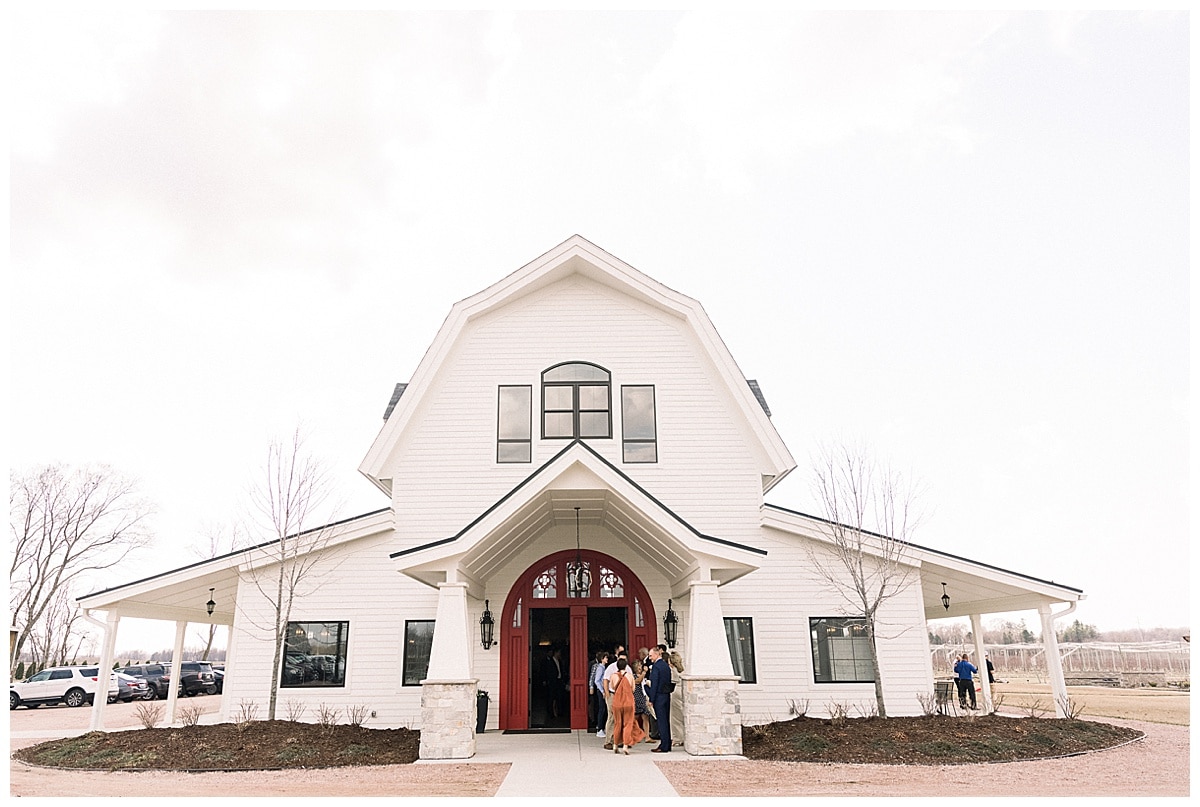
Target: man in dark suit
[660, 695]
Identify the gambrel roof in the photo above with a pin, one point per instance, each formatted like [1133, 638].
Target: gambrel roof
[578, 256]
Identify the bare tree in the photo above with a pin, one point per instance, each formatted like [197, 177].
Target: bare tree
[871, 515]
[293, 491]
[63, 525]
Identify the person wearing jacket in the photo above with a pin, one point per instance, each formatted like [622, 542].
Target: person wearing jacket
[964, 669]
[660, 695]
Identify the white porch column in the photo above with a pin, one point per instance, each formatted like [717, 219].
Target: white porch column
[981, 659]
[1054, 668]
[448, 690]
[176, 671]
[712, 717]
[106, 662]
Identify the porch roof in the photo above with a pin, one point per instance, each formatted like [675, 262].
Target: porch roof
[974, 587]
[579, 477]
[181, 594]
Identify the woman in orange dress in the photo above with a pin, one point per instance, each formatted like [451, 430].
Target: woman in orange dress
[626, 732]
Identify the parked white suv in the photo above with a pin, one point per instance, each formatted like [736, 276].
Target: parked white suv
[73, 686]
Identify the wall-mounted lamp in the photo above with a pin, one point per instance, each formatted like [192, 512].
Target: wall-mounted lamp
[487, 626]
[945, 598]
[670, 626]
[211, 604]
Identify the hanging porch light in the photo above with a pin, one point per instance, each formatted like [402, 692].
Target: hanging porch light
[579, 577]
[945, 598]
[487, 626]
[211, 605]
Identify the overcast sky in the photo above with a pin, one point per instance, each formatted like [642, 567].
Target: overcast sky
[958, 238]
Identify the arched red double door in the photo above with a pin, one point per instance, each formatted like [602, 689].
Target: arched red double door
[540, 612]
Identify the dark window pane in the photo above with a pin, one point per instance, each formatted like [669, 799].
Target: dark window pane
[841, 650]
[418, 641]
[739, 633]
[315, 654]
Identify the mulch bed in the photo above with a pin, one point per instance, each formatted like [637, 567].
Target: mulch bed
[254, 745]
[934, 740]
[273, 744]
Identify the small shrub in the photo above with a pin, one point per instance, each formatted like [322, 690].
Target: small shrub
[797, 708]
[1071, 709]
[327, 715]
[295, 710]
[357, 715]
[247, 711]
[838, 712]
[190, 715]
[149, 715]
[869, 709]
[1035, 708]
[928, 702]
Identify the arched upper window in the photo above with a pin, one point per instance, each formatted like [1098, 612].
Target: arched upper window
[576, 401]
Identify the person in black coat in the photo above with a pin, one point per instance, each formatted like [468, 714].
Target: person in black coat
[660, 695]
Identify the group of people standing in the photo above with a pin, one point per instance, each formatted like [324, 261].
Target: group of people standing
[632, 699]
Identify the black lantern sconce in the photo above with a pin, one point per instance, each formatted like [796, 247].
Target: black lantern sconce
[670, 626]
[945, 598]
[211, 605]
[487, 626]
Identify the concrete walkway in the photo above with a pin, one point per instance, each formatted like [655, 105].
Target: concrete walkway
[542, 762]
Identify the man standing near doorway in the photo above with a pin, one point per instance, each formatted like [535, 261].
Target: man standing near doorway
[660, 695]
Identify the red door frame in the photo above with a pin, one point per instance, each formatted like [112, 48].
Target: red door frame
[514, 631]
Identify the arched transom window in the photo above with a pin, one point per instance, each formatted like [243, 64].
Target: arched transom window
[576, 401]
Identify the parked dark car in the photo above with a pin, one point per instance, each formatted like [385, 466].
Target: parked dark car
[197, 678]
[131, 689]
[220, 680]
[157, 677]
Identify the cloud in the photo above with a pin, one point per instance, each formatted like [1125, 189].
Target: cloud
[753, 90]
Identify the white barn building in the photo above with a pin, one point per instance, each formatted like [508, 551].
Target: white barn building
[576, 410]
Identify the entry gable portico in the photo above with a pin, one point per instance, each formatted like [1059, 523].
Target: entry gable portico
[579, 477]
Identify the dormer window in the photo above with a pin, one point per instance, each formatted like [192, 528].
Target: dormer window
[576, 401]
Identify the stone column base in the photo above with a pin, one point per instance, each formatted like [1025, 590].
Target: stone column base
[448, 714]
[712, 716]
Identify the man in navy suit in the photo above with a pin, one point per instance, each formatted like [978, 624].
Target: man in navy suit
[660, 696]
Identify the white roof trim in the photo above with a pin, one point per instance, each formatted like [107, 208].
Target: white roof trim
[578, 255]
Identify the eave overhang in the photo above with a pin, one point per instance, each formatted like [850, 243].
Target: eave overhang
[974, 587]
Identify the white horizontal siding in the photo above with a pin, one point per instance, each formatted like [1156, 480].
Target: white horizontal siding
[444, 471]
[362, 588]
[781, 597]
